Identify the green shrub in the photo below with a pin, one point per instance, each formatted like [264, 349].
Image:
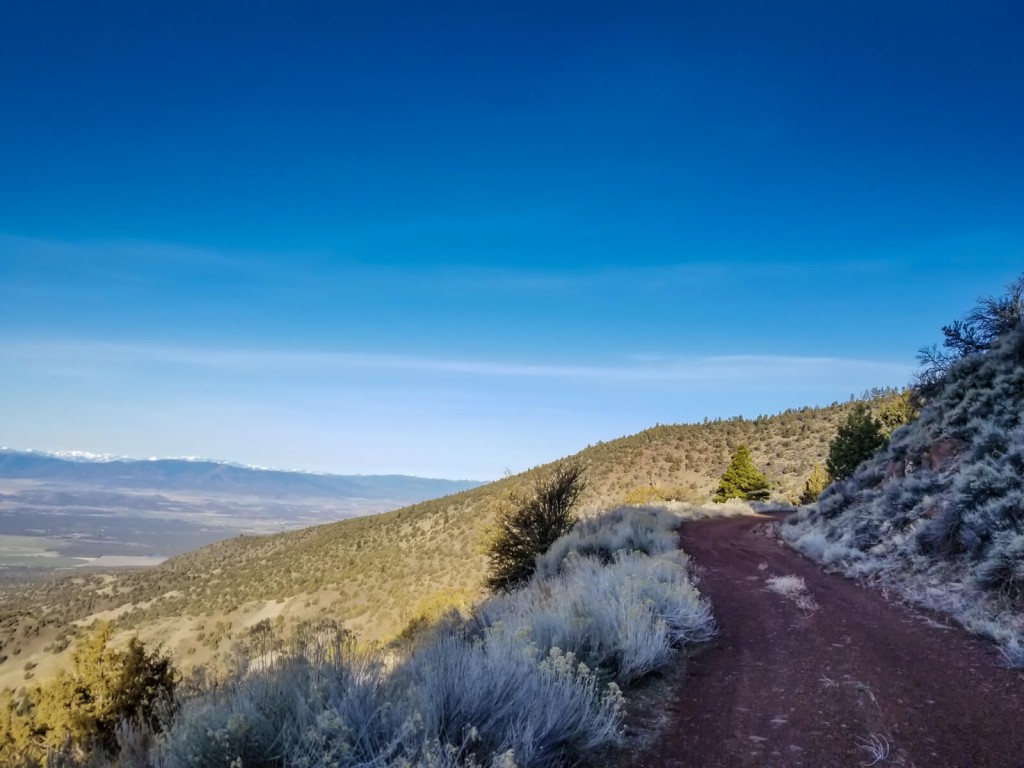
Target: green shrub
[643, 494]
[815, 484]
[83, 709]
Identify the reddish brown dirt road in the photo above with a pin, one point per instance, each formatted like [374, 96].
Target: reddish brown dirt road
[786, 686]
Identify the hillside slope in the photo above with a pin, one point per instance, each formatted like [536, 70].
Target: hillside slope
[377, 572]
[939, 513]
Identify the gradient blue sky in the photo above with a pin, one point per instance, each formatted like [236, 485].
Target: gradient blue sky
[449, 239]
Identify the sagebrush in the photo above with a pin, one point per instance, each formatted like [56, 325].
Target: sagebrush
[939, 512]
[533, 677]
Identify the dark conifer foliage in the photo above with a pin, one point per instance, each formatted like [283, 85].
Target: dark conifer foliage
[742, 480]
[528, 527]
[859, 437]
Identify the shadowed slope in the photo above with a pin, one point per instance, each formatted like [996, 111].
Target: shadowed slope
[939, 513]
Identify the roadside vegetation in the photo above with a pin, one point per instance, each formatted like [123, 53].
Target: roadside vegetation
[532, 676]
[937, 512]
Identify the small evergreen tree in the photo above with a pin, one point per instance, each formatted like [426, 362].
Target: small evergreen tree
[894, 411]
[742, 480]
[857, 440]
[528, 527]
[815, 484]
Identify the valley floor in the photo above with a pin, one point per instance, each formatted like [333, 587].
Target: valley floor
[842, 677]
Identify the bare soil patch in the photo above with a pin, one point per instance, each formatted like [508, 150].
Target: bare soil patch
[856, 681]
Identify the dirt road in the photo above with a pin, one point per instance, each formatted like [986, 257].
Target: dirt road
[856, 681]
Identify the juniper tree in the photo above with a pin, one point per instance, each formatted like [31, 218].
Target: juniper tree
[857, 440]
[742, 480]
[82, 708]
[528, 527]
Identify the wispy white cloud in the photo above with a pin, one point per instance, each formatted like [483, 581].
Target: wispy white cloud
[76, 355]
[117, 251]
[305, 270]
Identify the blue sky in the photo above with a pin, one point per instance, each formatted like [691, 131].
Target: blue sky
[450, 239]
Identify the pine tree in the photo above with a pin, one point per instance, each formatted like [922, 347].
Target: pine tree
[857, 440]
[815, 484]
[742, 480]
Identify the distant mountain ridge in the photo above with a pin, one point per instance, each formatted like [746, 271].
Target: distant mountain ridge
[208, 476]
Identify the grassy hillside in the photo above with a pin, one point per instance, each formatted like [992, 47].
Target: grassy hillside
[939, 513]
[377, 572]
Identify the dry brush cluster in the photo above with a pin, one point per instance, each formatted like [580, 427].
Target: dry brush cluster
[530, 677]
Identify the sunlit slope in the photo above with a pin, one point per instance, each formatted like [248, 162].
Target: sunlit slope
[376, 572]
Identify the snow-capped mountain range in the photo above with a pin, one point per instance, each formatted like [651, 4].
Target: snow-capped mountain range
[198, 474]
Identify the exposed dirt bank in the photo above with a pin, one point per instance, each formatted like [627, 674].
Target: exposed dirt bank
[855, 681]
